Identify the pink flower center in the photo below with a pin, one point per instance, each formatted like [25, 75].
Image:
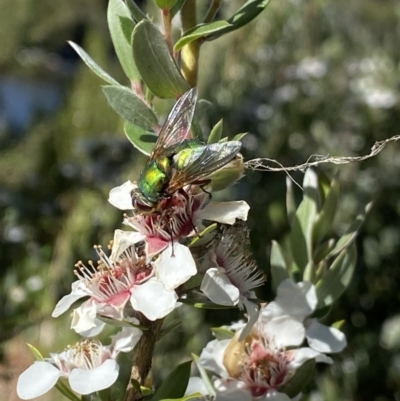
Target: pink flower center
[265, 369]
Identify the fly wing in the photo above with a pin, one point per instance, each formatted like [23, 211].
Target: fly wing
[177, 126]
[200, 162]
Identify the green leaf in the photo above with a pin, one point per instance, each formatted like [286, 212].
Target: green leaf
[177, 7]
[222, 333]
[300, 379]
[137, 13]
[165, 4]
[141, 139]
[155, 63]
[303, 221]
[115, 10]
[168, 327]
[279, 269]
[127, 26]
[205, 236]
[130, 107]
[120, 323]
[351, 233]
[203, 374]
[240, 136]
[339, 324]
[174, 386]
[290, 202]
[337, 278]
[216, 132]
[200, 31]
[243, 16]
[324, 219]
[226, 176]
[36, 353]
[323, 250]
[92, 64]
[203, 303]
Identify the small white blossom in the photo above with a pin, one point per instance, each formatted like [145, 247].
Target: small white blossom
[89, 366]
[300, 301]
[125, 276]
[258, 367]
[231, 278]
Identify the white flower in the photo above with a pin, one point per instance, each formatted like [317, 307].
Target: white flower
[177, 217]
[231, 278]
[258, 367]
[127, 276]
[121, 197]
[300, 301]
[89, 366]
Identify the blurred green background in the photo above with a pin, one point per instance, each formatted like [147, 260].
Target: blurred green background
[306, 77]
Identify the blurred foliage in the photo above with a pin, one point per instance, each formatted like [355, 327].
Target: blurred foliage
[306, 77]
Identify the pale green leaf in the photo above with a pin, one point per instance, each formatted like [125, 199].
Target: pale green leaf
[301, 234]
[115, 10]
[36, 353]
[155, 63]
[324, 219]
[351, 233]
[222, 333]
[279, 269]
[141, 139]
[200, 31]
[216, 132]
[130, 107]
[92, 64]
[290, 202]
[203, 374]
[337, 278]
[240, 136]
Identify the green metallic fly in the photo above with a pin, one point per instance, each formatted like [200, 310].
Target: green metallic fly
[178, 159]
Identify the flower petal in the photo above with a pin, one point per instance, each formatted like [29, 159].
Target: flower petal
[224, 212]
[285, 331]
[232, 390]
[212, 357]
[291, 300]
[196, 385]
[83, 318]
[121, 197]
[218, 288]
[94, 331]
[154, 246]
[88, 381]
[125, 340]
[122, 241]
[302, 355]
[37, 380]
[153, 299]
[175, 266]
[78, 291]
[325, 339]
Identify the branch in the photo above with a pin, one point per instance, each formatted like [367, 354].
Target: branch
[259, 164]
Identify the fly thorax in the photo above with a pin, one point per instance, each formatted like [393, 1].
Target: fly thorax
[181, 159]
[154, 178]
